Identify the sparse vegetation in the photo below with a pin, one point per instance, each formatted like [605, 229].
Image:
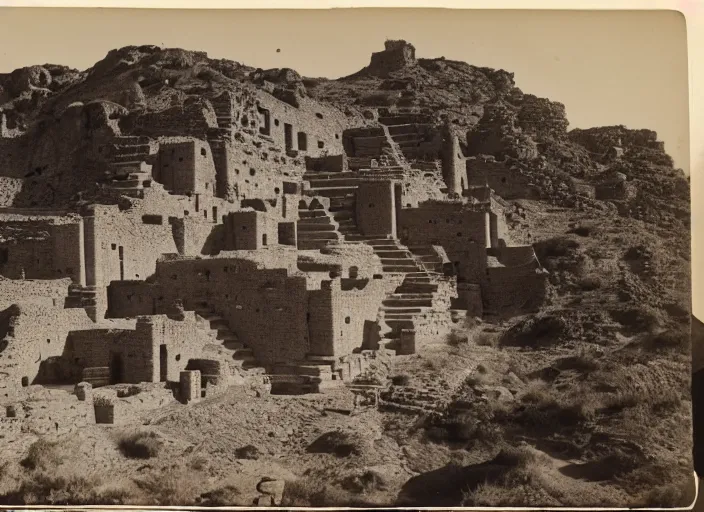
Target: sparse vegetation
[336, 442]
[454, 338]
[140, 445]
[249, 452]
[400, 380]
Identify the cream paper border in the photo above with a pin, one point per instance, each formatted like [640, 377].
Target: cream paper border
[692, 10]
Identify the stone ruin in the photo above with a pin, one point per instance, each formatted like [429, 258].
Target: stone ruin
[236, 239]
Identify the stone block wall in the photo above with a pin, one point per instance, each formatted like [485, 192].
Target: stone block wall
[186, 167]
[376, 208]
[513, 290]
[463, 233]
[194, 118]
[506, 182]
[250, 230]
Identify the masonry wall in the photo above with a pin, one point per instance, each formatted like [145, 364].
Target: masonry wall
[354, 302]
[266, 308]
[185, 167]
[321, 124]
[42, 248]
[376, 208]
[506, 182]
[250, 230]
[34, 332]
[462, 233]
[513, 290]
[194, 118]
[45, 292]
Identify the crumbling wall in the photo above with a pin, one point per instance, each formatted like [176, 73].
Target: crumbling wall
[46, 292]
[35, 333]
[354, 303]
[507, 182]
[511, 290]
[185, 166]
[376, 208]
[193, 118]
[265, 307]
[250, 230]
[462, 232]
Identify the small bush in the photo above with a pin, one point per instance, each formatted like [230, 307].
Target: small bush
[667, 340]
[555, 247]
[368, 481]
[42, 454]
[227, 496]
[589, 283]
[581, 230]
[314, 493]
[102, 401]
[140, 445]
[176, 486]
[539, 330]
[400, 380]
[454, 338]
[336, 442]
[485, 339]
[249, 452]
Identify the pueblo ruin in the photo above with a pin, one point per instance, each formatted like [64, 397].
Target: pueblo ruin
[245, 232]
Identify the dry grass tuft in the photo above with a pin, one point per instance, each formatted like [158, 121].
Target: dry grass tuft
[140, 445]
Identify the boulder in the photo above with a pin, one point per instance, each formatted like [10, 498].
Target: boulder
[273, 488]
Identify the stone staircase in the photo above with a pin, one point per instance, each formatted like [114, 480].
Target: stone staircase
[224, 342]
[428, 259]
[82, 297]
[223, 113]
[316, 229]
[128, 172]
[408, 133]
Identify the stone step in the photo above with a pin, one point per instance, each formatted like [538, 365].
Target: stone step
[397, 324]
[393, 253]
[374, 238]
[128, 167]
[399, 269]
[319, 183]
[316, 227]
[312, 214]
[397, 261]
[342, 192]
[411, 295]
[318, 235]
[390, 310]
[126, 184]
[344, 215]
[312, 245]
[417, 288]
[314, 221]
[407, 302]
[131, 149]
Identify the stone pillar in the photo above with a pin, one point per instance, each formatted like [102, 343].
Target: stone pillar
[190, 385]
[84, 391]
[406, 343]
[90, 250]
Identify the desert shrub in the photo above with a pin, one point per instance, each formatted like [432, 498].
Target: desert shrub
[589, 283]
[467, 428]
[249, 452]
[175, 486]
[544, 408]
[400, 380]
[368, 481]
[636, 252]
[485, 339]
[42, 454]
[667, 496]
[455, 338]
[198, 463]
[581, 230]
[555, 247]
[140, 445]
[582, 361]
[310, 492]
[637, 319]
[102, 401]
[336, 442]
[130, 391]
[621, 400]
[226, 496]
[667, 340]
[536, 331]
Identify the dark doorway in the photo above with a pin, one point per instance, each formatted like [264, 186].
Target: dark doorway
[121, 254]
[288, 136]
[163, 363]
[116, 371]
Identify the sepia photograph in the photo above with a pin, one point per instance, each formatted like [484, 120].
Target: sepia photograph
[364, 258]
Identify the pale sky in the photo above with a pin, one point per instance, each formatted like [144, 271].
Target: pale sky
[607, 67]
